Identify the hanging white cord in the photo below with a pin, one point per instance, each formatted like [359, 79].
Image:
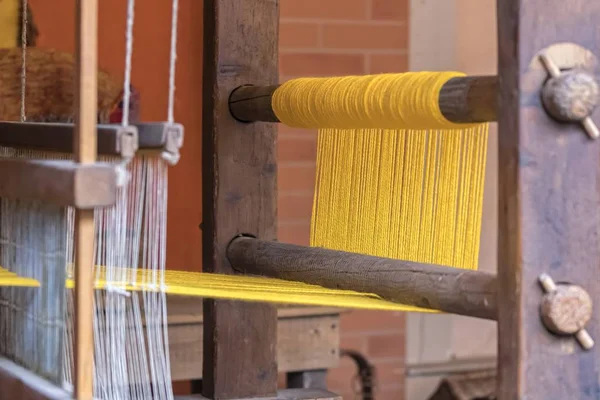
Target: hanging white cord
[173, 59]
[23, 57]
[128, 56]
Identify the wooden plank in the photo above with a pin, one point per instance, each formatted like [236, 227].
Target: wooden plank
[239, 192]
[85, 150]
[452, 290]
[303, 343]
[59, 182]
[114, 140]
[463, 99]
[19, 383]
[549, 205]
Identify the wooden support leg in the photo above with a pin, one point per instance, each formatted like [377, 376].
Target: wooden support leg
[549, 202]
[239, 193]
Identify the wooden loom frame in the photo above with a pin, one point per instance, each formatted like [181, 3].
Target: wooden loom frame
[549, 216]
[548, 197]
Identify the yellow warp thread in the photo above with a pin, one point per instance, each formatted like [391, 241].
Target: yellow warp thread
[394, 177]
[246, 288]
[11, 279]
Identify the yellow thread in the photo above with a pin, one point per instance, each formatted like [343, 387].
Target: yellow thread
[394, 177]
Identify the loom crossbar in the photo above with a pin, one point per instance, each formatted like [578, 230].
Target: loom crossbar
[58, 137]
[112, 140]
[59, 182]
[463, 100]
[452, 290]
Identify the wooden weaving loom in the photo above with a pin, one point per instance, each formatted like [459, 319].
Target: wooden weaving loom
[544, 100]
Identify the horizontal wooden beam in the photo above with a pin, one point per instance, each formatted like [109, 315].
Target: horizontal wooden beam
[450, 290]
[18, 383]
[112, 140]
[59, 182]
[462, 100]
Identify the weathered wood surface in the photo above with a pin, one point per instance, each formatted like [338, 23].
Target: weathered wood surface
[239, 192]
[468, 99]
[549, 202]
[307, 338]
[114, 140]
[59, 182]
[435, 287]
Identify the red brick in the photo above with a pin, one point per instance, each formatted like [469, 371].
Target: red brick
[367, 37]
[296, 178]
[294, 207]
[328, 9]
[321, 64]
[356, 343]
[294, 35]
[372, 321]
[390, 373]
[295, 234]
[384, 63]
[396, 10]
[339, 380]
[297, 149]
[385, 345]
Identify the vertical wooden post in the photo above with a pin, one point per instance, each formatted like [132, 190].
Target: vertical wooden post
[549, 202]
[84, 145]
[239, 192]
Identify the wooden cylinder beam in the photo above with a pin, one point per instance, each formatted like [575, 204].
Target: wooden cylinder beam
[450, 290]
[462, 100]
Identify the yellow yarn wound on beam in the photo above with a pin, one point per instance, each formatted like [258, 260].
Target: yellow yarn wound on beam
[394, 177]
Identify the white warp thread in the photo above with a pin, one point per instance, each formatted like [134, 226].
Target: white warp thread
[24, 23]
[128, 56]
[172, 62]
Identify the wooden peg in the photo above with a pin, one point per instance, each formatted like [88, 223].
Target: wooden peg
[570, 96]
[566, 309]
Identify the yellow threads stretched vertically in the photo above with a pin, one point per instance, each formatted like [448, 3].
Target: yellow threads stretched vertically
[394, 177]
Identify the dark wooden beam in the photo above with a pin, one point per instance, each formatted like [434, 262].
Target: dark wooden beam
[452, 290]
[59, 182]
[112, 140]
[549, 203]
[468, 99]
[239, 193]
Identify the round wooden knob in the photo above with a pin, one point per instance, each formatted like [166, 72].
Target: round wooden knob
[571, 96]
[566, 310]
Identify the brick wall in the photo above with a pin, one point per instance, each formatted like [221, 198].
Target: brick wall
[340, 37]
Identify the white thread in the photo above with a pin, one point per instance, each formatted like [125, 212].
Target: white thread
[128, 56]
[24, 23]
[172, 62]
